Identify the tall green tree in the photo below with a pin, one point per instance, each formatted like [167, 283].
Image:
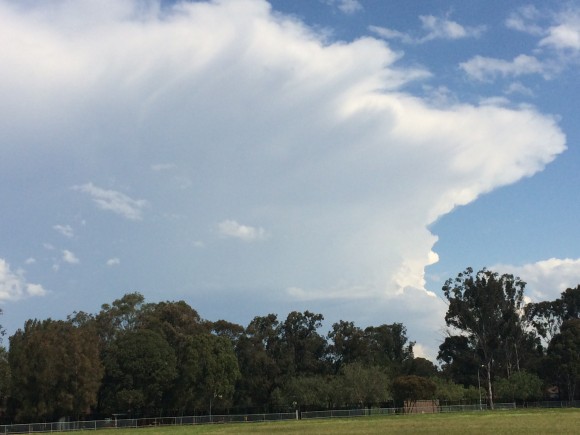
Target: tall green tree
[487, 309]
[5, 375]
[175, 321]
[178, 324]
[232, 331]
[122, 315]
[547, 316]
[385, 346]
[571, 303]
[564, 357]
[348, 344]
[303, 348]
[461, 363]
[140, 367]
[55, 369]
[259, 351]
[5, 378]
[210, 371]
[388, 347]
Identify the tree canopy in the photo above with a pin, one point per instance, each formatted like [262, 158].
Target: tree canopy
[487, 309]
[139, 358]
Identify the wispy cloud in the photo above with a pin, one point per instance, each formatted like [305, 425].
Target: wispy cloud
[387, 33]
[558, 30]
[233, 229]
[65, 230]
[524, 19]
[558, 46]
[114, 201]
[434, 28]
[488, 68]
[346, 6]
[443, 28]
[519, 88]
[565, 33]
[14, 286]
[158, 167]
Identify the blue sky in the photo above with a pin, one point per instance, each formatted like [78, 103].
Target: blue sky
[250, 157]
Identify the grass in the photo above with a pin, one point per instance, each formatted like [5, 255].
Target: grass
[536, 421]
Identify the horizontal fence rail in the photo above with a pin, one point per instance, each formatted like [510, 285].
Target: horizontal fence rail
[117, 423]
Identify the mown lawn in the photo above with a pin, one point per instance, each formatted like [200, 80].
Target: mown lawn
[559, 421]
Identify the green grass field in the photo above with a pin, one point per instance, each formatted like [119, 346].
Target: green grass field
[559, 421]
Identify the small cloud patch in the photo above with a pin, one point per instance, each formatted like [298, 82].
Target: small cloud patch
[233, 229]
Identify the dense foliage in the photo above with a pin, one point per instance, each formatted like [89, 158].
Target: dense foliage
[137, 358]
[513, 350]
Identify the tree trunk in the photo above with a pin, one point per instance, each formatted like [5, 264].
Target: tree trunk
[489, 391]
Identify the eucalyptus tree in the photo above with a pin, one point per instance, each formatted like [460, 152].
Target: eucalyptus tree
[487, 309]
[564, 357]
[347, 344]
[5, 375]
[223, 328]
[387, 346]
[122, 315]
[304, 350]
[259, 352]
[547, 316]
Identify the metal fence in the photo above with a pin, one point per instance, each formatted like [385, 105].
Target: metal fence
[68, 426]
[117, 423]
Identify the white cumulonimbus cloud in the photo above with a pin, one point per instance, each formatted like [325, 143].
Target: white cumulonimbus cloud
[319, 142]
[14, 286]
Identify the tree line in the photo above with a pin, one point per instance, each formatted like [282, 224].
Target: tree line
[136, 358]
